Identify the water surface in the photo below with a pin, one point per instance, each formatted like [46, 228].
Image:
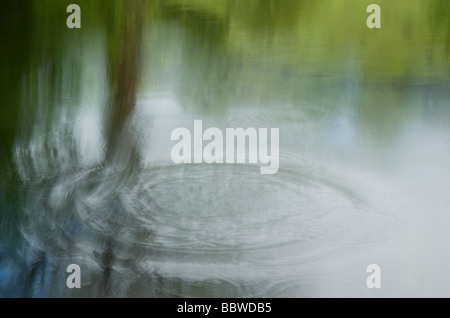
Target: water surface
[364, 173]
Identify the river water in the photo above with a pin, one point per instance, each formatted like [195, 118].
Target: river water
[364, 171]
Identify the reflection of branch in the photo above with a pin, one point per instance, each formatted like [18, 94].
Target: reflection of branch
[124, 66]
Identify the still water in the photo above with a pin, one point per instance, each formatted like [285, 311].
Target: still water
[364, 172]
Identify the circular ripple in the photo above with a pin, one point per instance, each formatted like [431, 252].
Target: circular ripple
[222, 209]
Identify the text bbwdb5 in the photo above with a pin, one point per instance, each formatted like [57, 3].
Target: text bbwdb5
[232, 149]
[240, 307]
